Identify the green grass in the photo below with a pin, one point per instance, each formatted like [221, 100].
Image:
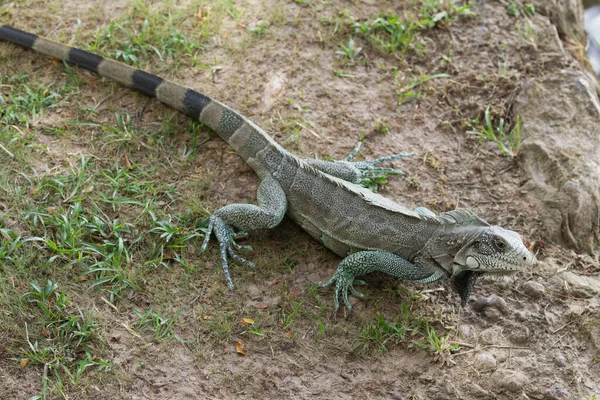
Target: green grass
[61, 338]
[408, 329]
[401, 34]
[507, 142]
[408, 93]
[160, 326]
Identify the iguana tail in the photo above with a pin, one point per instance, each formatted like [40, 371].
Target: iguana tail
[243, 135]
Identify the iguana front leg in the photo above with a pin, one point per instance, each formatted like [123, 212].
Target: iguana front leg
[365, 262]
[235, 220]
[360, 171]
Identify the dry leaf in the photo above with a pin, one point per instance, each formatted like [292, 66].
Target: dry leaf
[295, 292]
[289, 333]
[274, 281]
[127, 162]
[246, 321]
[202, 15]
[23, 362]
[260, 304]
[239, 347]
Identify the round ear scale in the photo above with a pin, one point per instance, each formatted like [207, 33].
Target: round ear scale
[472, 263]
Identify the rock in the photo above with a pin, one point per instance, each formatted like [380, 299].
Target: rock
[521, 316]
[511, 381]
[560, 154]
[520, 334]
[556, 392]
[484, 362]
[581, 286]
[566, 15]
[533, 289]
[491, 335]
[493, 301]
[465, 331]
[560, 360]
[492, 314]
[274, 89]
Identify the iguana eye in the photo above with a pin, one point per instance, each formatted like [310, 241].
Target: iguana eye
[500, 244]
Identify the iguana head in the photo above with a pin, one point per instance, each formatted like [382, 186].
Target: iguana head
[492, 250]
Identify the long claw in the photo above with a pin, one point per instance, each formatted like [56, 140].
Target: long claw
[241, 247]
[225, 265]
[377, 172]
[356, 292]
[353, 153]
[345, 297]
[239, 259]
[329, 282]
[211, 224]
[240, 235]
[390, 158]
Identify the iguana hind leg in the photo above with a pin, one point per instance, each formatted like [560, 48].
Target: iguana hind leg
[358, 172]
[365, 262]
[234, 221]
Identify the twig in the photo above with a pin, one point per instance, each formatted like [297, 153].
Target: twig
[309, 130]
[561, 328]
[109, 303]
[11, 155]
[499, 346]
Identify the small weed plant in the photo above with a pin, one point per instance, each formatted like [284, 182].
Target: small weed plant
[507, 142]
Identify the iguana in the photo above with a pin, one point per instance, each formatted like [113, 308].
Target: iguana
[325, 198]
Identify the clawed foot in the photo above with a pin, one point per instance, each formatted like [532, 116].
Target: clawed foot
[369, 173]
[345, 282]
[226, 238]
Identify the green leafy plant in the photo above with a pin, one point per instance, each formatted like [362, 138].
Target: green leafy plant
[508, 143]
[351, 51]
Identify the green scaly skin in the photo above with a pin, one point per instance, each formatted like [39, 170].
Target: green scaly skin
[325, 198]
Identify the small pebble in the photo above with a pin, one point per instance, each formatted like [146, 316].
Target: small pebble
[556, 392]
[560, 360]
[493, 301]
[520, 335]
[513, 382]
[533, 289]
[492, 314]
[503, 284]
[491, 335]
[521, 316]
[484, 362]
[466, 331]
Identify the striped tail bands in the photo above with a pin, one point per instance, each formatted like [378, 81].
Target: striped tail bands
[183, 99]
